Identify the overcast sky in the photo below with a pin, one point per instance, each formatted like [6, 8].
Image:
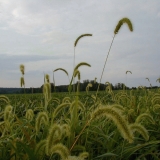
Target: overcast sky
[41, 33]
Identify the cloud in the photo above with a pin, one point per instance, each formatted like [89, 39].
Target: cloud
[41, 34]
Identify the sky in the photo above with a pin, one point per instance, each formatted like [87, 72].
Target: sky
[41, 33]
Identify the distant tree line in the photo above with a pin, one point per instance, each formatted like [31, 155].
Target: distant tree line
[64, 88]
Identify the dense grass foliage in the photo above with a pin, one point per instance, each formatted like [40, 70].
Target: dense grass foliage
[115, 125]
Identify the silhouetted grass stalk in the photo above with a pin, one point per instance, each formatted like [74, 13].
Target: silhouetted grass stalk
[76, 68]
[75, 43]
[22, 82]
[54, 82]
[120, 23]
[104, 65]
[61, 70]
[126, 78]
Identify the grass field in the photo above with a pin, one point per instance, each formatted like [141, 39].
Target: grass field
[115, 125]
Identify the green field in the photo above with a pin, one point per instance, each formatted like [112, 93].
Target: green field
[115, 125]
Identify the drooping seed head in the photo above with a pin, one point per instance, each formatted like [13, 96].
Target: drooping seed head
[61, 149]
[61, 70]
[4, 98]
[81, 64]
[129, 72]
[29, 114]
[148, 79]
[144, 116]
[117, 118]
[83, 155]
[139, 128]
[120, 23]
[54, 136]
[42, 117]
[81, 37]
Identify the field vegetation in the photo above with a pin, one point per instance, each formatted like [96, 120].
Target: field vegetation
[74, 125]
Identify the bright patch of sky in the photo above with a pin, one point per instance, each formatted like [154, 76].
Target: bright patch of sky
[40, 34]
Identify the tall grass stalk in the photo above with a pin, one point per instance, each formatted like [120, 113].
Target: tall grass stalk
[54, 83]
[75, 43]
[22, 82]
[126, 77]
[120, 23]
[75, 70]
[61, 69]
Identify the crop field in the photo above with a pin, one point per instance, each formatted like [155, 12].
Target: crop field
[115, 125]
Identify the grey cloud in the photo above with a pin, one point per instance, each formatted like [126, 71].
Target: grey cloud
[43, 33]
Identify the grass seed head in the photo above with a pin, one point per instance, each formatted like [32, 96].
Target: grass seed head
[61, 70]
[22, 83]
[81, 37]
[61, 149]
[114, 115]
[120, 23]
[81, 64]
[29, 114]
[7, 112]
[22, 68]
[54, 136]
[140, 129]
[42, 118]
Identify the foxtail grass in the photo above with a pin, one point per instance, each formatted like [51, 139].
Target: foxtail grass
[118, 119]
[83, 155]
[66, 129]
[61, 149]
[75, 43]
[126, 77]
[7, 112]
[75, 70]
[144, 116]
[83, 35]
[77, 73]
[22, 68]
[4, 98]
[120, 23]
[58, 109]
[88, 86]
[47, 91]
[61, 69]
[42, 118]
[149, 82]
[128, 72]
[54, 136]
[140, 129]
[22, 82]
[29, 114]
[66, 100]
[115, 116]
